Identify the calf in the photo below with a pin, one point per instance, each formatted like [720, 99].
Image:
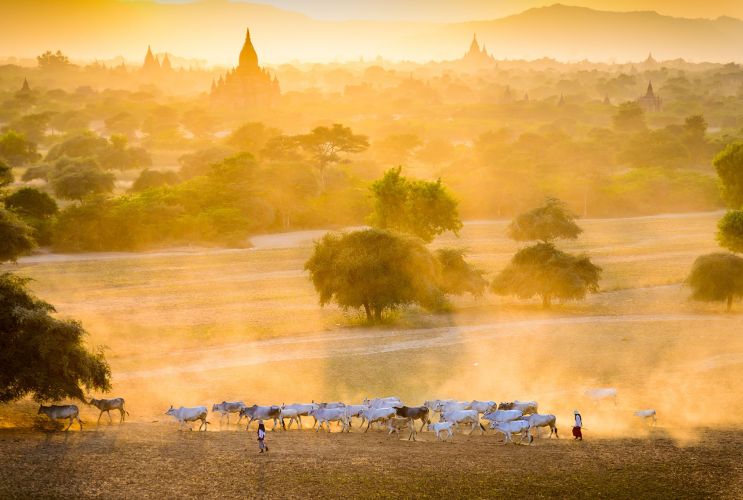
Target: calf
[397, 424]
[514, 427]
[107, 405]
[226, 407]
[186, 414]
[440, 427]
[60, 412]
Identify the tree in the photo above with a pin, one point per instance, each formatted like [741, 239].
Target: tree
[397, 148]
[123, 123]
[326, 144]
[543, 270]
[457, 275]
[149, 179]
[199, 122]
[16, 149]
[75, 178]
[729, 166]
[730, 231]
[15, 237]
[84, 145]
[117, 155]
[630, 117]
[40, 354]
[422, 208]
[199, 162]
[374, 269]
[546, 223]
[33, 126]
[30, 202]
[6, 174]
[53, 60]
[251, 137]
[717, 277]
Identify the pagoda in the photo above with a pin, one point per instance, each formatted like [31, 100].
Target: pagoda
[248, 84]
[650, 102]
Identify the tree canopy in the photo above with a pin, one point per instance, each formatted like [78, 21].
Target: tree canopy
[75, 178]
[30, 202]
[543, 270]
[457, 276]
[41, 355]
[154, 178]
[6, 174]
[422, 208]
[16, 150]
[729, 166]
[374, 269]
[16, 237]
[730, 231]
[546, 223]
[717, 277]
[630, 117]
[325, 145]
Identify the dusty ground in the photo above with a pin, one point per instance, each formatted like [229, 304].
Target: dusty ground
[157, 461]
[198, 326]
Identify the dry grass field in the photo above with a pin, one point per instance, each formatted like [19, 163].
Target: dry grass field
[197, 326]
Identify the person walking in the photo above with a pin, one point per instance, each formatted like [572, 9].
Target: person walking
[577, 434]
[262, 437]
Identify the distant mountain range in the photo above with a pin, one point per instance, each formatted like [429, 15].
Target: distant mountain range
[214, 30]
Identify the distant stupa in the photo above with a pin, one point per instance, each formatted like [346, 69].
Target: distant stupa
[650, 102]
[166, 66]
[247, 84]
[151, 65]
[478, 57]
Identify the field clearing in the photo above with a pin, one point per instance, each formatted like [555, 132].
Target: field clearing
[196, 326]
[156, 461]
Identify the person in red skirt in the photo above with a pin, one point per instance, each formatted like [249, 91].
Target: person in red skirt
[577, 434]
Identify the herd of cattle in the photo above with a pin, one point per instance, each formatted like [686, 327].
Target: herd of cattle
[510, 418]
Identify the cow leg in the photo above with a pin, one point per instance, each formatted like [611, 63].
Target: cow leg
[423, 424]
[70, 424]
[110, 421]
[99, 417]
[79, 422]
[250, 421]
[121, 411]
[367, 426]
[558, 437]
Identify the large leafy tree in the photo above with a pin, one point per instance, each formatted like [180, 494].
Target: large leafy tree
[630, 117]
[422, 208]
[551, 221]
[729, 166]
[457, 276]
[543, 270]
[37, 209]
[16, 149]
[41, 355]
[375, 270]
[16, 237]
[6, 174]
[717, 277]
[326, 145]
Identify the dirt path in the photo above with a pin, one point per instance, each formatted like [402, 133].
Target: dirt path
[357, 342]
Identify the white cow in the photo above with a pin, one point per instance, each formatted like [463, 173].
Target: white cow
[499, 416]
[463, 417]
[648, 414]
[227, 407]
[440, 427]
[256, 412]
[602, 393]
[435, 405]
[59, 412]
[332, 405]
[388, 402]
[372, 415]
[514, 427]
[327, 415]
[545, 420]
[293, 416]
[481, 406]
[303, 410]
[355, 411]
[189, 414]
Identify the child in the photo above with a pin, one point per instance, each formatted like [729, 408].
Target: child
[577, 434]
[261, 437]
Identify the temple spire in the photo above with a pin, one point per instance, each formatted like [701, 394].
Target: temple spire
[150, 61]
[248, 57]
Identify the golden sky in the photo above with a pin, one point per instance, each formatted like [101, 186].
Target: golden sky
[320, 30]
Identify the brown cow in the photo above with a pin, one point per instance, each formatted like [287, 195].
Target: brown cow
[414, 413]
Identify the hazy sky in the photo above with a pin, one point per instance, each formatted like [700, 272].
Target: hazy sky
[465, 10]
